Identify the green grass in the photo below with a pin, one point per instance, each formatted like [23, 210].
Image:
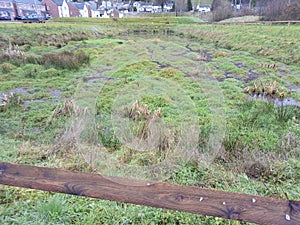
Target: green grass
[158, 61]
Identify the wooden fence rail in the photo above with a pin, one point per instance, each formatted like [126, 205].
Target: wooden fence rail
[236, 206]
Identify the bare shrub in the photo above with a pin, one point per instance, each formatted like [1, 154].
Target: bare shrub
[222, 10]
[20, 40]
[12, 54]
[146, 121]
[292, 11]
[281, 10]
[256, 170]
[33, 59]
[71, 138]
[66, 60]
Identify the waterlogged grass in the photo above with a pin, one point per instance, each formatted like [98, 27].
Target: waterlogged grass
[195, 74]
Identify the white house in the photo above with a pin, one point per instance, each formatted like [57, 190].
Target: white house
[168, 7]
[157, 8]
[57, 8]
[203, 8]
[82, 7]
[95, 13]
[63, 9]
[107, 4]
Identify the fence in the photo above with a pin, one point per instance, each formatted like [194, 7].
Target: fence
[236, 206]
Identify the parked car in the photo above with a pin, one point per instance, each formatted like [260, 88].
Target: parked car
[48, 17]
[34, 18]
[5, 17]
[20, 17]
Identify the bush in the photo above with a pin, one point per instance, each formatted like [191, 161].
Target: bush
[281, 10]
[31, 70]
[52, 72]
[292, 11]
[222, 10]
[7, 67]
[33, 59]
[66, 60]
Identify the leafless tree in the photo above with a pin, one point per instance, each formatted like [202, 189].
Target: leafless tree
[280, 9]
[221, 10]
[180, 6]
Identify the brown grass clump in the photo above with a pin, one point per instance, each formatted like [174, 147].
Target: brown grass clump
[202, 57]
[68, 108]
[268, 88]
[220, 54]
[141, 112]
[257, 170]
[12, 53]
[269, 66]
[66, 60]
[72, 137]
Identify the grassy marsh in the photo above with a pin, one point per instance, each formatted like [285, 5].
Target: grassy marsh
[196, 74]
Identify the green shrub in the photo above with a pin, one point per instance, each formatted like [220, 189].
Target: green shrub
[31, 70]
[7, 67]
[51, 72]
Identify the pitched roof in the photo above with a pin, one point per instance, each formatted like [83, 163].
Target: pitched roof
[58, 2]
[28, 11]
[6, 9]
[28, 2]
[7, 0]
[78, 5]
[92, 6]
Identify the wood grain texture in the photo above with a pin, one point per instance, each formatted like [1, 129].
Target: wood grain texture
[236, 206]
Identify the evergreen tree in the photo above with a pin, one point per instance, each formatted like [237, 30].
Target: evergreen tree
[189, 5]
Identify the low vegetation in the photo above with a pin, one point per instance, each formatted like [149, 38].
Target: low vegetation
[166, 99]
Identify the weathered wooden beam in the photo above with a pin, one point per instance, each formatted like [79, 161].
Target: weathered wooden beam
[236, 206]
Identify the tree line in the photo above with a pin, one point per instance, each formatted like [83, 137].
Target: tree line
[267, 9]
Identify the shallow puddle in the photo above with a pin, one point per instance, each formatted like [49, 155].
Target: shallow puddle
[275, 100]
[18, 90]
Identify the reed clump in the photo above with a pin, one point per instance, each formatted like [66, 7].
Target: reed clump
[270, 88]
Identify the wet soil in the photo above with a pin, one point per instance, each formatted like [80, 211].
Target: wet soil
[275, 100]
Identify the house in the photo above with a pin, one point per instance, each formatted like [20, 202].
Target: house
[121, 6]
[168, 7]
[7, 9]
[113, 13]
[145, 7]
[136, 5]
[102, 13]
[57, 8]
[203, 8]
[82, 8]
[29, 7]
[73, 10]
[157, 8]
[92, 8]
[107, 4]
